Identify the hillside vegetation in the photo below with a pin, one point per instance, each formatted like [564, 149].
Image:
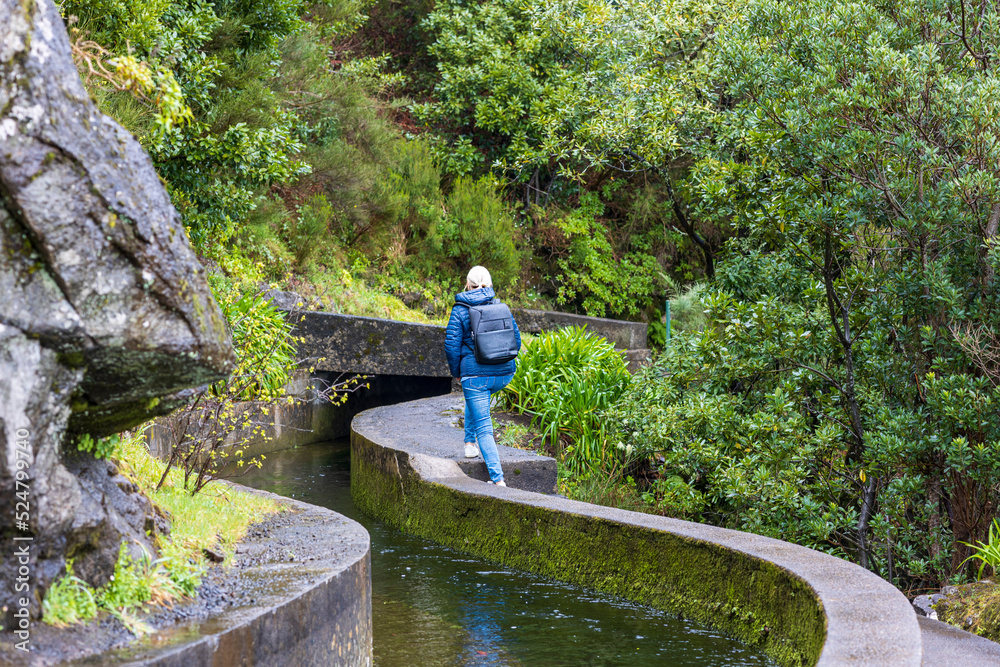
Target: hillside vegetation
[816, 184]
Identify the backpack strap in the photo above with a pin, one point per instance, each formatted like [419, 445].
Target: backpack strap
[472, 325]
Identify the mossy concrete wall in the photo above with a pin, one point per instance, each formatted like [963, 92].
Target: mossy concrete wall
[301, 421]
[313, 612]
[800, 606]
[352, 344]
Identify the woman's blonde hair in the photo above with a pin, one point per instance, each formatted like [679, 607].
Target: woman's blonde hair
[478, 277]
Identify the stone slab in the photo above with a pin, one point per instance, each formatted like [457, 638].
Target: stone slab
[637, 359]
[624, 335]
[349, 344]
[860, 619]
[948, 646]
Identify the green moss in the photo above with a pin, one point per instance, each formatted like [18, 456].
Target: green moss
[973, 607]
[72, 359]
[761, 604]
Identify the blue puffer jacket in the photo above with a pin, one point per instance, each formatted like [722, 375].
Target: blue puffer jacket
[458, 338]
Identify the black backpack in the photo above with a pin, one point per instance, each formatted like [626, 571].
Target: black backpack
[493, 336]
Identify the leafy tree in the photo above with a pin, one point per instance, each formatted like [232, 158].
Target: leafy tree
[234, 138]
[863, 151]
[495, 73]
[848, 355]
[557, 89]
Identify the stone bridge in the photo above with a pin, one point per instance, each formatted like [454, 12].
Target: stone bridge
[335, 343]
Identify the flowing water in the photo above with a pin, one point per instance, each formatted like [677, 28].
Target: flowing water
[433, 605]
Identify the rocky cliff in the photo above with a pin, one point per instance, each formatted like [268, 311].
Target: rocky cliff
[105, 316]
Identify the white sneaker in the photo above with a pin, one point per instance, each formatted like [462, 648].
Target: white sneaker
[501, 483]
[471, 451]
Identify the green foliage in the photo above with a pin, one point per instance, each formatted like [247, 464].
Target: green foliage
[494, 72]
[132, 583]
[217, 520]
[311, 223]
[214, 427]
[580, 83]
[135, 582]
[687, 313]
[597, 277]
[265, 349]
[234, 137]
[892, 245]
[100, 448]
[565, 379]
[477, 228]
[731, 443]
[600, 488]
[988, 552]
[120, 24]
[550, 91]
[748, 426]
[68, 601]
[629, 80]
[145, 580]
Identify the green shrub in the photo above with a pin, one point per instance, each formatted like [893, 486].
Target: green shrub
[687, 314]
[744, 423]
[217, 520]
[100, 448]
[120, 24]
[566, 379]
[477, 228]
[135, 582]
[594, 275]
[264, 238]
[219, 135]
[265, 350]
[306, 231]
[602, 487]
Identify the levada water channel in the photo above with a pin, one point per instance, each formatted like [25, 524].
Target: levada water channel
[435, 606]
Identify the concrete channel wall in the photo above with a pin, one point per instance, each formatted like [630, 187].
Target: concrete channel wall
[307, 573]
[800, 606]
[623, 335]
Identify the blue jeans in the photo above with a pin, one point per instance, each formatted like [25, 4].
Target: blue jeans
[478, 423]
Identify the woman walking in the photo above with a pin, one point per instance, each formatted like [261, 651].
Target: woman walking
[479, 380]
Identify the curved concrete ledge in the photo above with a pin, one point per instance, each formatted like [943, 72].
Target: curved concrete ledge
[310, 580]
[801, 606]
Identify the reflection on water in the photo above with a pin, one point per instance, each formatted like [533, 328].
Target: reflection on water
[435, 606]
